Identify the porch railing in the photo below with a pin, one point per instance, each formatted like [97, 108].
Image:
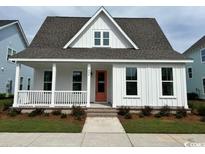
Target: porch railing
[40, 98]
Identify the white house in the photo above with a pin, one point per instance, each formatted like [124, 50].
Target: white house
[12, 41]
[116, 61]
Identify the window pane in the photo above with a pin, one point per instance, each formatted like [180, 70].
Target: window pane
[9, 51]
[77, 86]
[48, 76]
[105, 34]
[203, 52]
[101, 87]
[97, 34]
[47, 86]
[131, 88]
[167, 89]
[203, 58]
[167, 74]
[77, 76]
[204, 85]
[14, 52]
[105, 41]
[190, 72]
[97, 41]
[131, 74]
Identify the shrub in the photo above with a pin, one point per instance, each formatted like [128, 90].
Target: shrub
[7, 105]
[141, 115]
[63, 116]
[146, 111]
[78, 112]
[181, 113]
[192, 96]
[128, 116]
[158, 115]
[46, 114]
[165, 111]
[202, 119]
[2, 95]
[14, 112]
[201, 110]
[36, 112]
[56, 112]
[123, 111]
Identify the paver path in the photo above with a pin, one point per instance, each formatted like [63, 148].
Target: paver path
[103, 125]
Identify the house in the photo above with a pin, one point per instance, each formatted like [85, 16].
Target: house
[101, 59]
[196, 71]
[12, 41]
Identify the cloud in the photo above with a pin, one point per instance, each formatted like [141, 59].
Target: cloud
[182, 25]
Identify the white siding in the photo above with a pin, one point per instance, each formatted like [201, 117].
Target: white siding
[149, 86]
[102, 22]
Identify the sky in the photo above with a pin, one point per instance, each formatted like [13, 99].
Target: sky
[183, 26]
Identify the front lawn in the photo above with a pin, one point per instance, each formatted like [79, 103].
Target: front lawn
[190, 124]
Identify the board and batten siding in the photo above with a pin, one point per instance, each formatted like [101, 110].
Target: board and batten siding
[149, 86]
[102, 22]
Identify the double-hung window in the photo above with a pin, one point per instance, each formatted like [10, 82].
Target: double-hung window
[10, 53]
[77, 80]
[203, 56]
[131, 81]
[29, 84]
[203, 82]
[21, 83]
[167, 81]
[189, 72]
[101, 38]
[47, 80]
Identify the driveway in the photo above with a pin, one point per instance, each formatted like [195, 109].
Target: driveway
[100, 132]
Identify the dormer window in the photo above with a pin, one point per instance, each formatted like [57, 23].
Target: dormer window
[101, 38]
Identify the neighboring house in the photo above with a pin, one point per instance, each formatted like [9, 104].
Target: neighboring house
[196, 70]
[117, 61]
[12, 41]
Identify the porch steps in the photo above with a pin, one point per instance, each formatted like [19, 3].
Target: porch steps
[101, 112]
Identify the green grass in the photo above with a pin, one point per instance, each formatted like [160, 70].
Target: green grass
[39, 125]
[162, 126]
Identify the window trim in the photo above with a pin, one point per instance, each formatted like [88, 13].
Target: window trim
[203, 85]
[203, 62]
[7, 55]
[47, 82]
[101, 38]
[125, 84]
[77, 70]
[191, 72]
[173, 80]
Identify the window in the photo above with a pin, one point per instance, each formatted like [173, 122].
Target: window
[29, 84]
[101, 38]
[131, 81]
[203, 55]
[9, 87]
[11, 52]
[47, 80]
[203, 82]
[21, 83]
[167, 81]
[77, 80]
[189, 72]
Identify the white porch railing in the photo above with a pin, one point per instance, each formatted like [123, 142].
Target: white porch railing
[36, 98]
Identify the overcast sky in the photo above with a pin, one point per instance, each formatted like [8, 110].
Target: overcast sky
[183, 26]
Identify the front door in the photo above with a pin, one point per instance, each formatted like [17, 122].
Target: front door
[101, 86]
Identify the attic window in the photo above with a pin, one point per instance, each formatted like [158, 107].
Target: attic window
[203, 56]
[101, 38]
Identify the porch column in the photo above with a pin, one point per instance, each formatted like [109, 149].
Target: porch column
[53, 85]
[88, 84]
[16, 88]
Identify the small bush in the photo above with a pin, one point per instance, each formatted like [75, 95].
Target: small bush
[36, 112]
[192, 96]
[7, 105]
[46, 114]
[181, 113]
[146, 111]
[141, 115]
[165, 111]
[2, 95]
[128, 116]
[201, 110]
[123, 111]
[158, 115]
[78, 112]
[14, 112]
[63, 116]
[56, 112]
[202, 119]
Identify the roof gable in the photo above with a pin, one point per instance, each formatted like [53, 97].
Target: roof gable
[100, 11]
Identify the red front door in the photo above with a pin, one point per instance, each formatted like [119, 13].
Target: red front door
[101, 86]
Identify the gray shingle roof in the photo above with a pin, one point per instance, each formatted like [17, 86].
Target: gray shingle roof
[198, 45]
[57, 31]
[6, 22]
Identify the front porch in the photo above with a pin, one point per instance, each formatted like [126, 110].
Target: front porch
[69, 84]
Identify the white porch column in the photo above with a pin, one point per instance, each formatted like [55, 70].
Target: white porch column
[53, 85]
[16, 88]
[88, 84]
[113, 86]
